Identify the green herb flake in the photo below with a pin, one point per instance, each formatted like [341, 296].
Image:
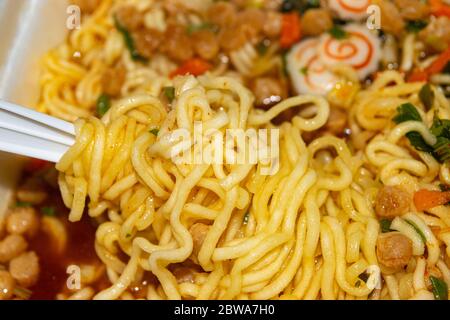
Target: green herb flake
[441, 129]
[169, 92]
[407, 112]
[418, 142]
[416, 25]
[128, 235]
[426, 95]
[417, 229]
[262, 47]
[48, 211]
[311, 4]
[154, 131]
[129, 41]
[23, 204]
[299, 5]
[442, 149]
[338, 33]
[358, 284]
[385, 225]
[196, 27]
[440, 288]
[304, 70]
[103, 104]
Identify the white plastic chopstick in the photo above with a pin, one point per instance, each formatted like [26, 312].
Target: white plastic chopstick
[30, 133]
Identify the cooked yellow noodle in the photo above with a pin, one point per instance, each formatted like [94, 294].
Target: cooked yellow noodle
[127, 172]
[305, 232]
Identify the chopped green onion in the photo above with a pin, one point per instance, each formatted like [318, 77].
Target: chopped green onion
[338, 33]
[426, 95]
[440, 288]
[358, 284]
[422, 236]
[154, 131]
[418, 142]
[385, 225]
[48, 211]
[442, 149]
[129, 41]
[169, 92]
[416, 25]
[407, 112]
[22, 204]
[441, 129]
[103, 104]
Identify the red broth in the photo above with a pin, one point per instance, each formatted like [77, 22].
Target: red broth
[79, 250]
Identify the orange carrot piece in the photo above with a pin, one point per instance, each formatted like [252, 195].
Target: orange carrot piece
[439, 64]
[194, 66]
[418, 76]
[439, 9]
[426, 199]
[436, 67]
[290, 30]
